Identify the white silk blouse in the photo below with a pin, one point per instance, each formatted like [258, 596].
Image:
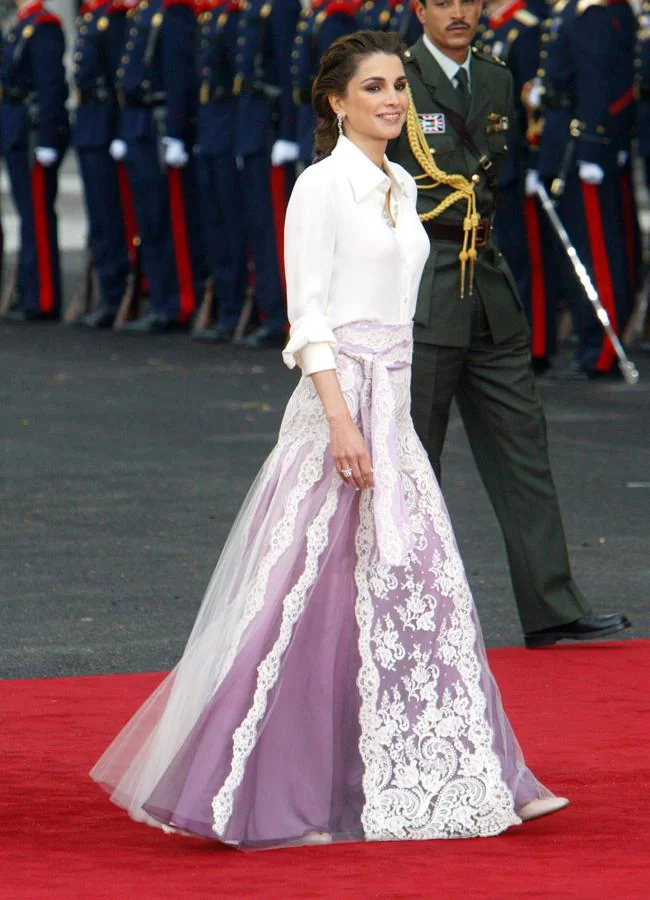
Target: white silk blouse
[344, 261]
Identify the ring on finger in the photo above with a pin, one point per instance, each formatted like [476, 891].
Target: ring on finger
[346, 473]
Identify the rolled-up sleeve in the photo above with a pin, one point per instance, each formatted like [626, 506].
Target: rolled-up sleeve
[309, 239]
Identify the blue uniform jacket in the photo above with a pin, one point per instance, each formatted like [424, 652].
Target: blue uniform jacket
[32, 79]
[513, 36]
[217, 115]
[100, 33]
[157, 71]
[262, 83]
[587, 68]
[404, 22]
[318, 26]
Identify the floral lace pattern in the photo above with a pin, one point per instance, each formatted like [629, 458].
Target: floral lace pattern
[430, 767]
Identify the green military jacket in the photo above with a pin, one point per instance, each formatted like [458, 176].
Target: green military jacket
[442, 316]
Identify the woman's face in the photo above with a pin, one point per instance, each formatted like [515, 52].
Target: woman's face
[375, 102]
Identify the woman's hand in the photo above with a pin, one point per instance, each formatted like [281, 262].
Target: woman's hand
[349, 452]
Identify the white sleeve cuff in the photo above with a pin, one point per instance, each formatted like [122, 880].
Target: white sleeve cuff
[316, 358]
[311, 344]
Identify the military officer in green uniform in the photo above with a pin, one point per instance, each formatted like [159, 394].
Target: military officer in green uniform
[472, 341]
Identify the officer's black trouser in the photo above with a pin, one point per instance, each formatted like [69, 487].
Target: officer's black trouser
[496, 393]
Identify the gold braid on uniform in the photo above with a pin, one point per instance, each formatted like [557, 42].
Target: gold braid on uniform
[462, 191]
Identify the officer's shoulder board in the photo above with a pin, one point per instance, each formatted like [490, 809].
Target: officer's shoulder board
[342, 8]
[525, 17]
[487, 57]
[45, 17]
[583, 5]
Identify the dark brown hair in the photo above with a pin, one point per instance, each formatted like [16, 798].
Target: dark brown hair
[338, 65]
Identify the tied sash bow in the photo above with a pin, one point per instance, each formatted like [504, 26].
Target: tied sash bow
[378, 358]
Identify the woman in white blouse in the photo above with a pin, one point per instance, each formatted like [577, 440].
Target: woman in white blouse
[335, 685]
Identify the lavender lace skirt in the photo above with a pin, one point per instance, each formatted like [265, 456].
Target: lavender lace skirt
[335, 681]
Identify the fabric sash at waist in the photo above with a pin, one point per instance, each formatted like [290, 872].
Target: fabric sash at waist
[379, 350]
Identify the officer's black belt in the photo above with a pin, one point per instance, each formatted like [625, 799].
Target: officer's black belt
[440, 231]
[559, 100]
[156, 98]
[250, 87]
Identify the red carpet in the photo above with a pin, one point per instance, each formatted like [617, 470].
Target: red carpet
[582, 715]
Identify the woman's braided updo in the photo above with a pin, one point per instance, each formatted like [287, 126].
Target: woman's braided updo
[338, 65]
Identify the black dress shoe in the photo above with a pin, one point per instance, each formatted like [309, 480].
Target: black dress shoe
[588, 628]
[263, 337]
[151, 324]
[101, 317]
[541, 365]
[218, 334]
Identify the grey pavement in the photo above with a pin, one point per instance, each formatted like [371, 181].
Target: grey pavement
[123, 462]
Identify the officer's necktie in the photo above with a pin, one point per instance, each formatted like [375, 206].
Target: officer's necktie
[462, 89]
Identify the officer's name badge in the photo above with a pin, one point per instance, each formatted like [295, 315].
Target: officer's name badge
[432, 123]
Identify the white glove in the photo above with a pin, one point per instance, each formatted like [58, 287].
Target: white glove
[535, 94]
[46, 156]
[118, 149]
[622, 158]
[590, 173]
[531, 182]
[284, 152]
[175, 154]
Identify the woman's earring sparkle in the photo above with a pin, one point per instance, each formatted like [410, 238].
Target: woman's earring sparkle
[339, 123]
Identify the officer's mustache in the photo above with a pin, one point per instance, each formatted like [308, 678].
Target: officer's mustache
[457, 24]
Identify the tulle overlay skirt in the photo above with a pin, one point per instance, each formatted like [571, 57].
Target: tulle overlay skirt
[335, 682]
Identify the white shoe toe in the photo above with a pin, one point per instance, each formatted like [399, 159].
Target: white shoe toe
[544, 807]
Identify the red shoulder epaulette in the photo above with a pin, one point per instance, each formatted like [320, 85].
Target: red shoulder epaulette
[506, 13]
[47, 18]
[342, 7]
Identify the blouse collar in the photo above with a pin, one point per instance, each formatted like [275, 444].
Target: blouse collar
[364, 175]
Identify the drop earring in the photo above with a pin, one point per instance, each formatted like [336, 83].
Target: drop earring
[339, 123]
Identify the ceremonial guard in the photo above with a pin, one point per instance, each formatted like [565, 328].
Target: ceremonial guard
[404, 20]
[264, 115]
[34, 134]
[472, 340]
[319, 24]
[222, 204]
[100, 33]
[157, 89]
[587, 97]
[511, 32]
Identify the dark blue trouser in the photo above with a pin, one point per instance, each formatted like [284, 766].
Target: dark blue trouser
[259, 225]
[33, 187]
[224, 234]
[105, 222]
[593, 218]
[161, 257]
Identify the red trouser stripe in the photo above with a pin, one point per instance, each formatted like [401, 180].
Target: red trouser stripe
[181, 243]
[537, 286]
[128, 211]
[42, 235]
[600, 265]
[279, 201]
[629, 225]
